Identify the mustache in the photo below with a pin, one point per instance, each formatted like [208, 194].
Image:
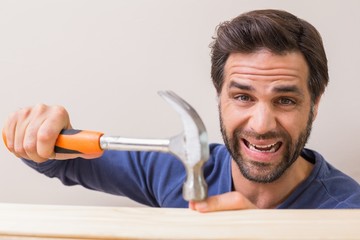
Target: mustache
[240, 133]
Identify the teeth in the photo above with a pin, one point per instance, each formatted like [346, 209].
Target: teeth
[266, 148]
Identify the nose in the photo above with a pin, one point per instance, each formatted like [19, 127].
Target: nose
[262, 119]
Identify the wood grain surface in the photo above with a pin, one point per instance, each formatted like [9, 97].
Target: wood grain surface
[22, 221]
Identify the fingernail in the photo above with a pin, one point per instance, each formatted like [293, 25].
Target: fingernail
[201, 206]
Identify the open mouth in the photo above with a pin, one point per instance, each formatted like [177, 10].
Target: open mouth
[269, 148]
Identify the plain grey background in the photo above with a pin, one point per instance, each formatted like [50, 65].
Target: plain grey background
[105, 61]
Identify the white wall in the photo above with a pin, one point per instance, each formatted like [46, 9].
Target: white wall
[105, 61]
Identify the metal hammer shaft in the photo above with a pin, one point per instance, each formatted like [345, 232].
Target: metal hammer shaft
[134, 144]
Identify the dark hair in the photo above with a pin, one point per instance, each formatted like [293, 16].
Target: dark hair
[275, 30]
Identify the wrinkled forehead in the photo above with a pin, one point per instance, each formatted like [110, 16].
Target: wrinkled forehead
[266, 64]
[264, 58]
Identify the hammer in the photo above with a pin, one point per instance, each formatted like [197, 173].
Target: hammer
[190, 146]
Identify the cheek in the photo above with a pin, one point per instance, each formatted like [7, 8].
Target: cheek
[295, 124]
[231, 117]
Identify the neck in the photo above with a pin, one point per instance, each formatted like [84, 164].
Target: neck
[270, 195]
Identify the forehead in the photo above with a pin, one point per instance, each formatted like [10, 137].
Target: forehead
[265, 67]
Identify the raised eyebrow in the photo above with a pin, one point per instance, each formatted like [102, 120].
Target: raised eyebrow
[288, 89]
[241, 86]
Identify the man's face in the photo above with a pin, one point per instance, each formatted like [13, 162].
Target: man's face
[266, 112]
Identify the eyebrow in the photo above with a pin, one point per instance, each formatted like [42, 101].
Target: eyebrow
[277, 89]
[288, 89]
[241, 86]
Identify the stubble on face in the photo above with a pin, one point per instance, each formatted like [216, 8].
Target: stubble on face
[261, 172]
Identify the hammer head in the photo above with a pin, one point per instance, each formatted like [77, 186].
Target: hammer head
[191, 147]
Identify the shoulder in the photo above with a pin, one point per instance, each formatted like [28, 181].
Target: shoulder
[337, 188]
[218, 151]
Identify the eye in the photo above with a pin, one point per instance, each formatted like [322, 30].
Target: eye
[286, 101]
[243, 98]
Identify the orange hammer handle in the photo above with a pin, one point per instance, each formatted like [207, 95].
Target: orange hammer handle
[78, 141]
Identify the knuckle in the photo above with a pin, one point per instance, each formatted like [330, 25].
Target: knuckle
[59, 115]
[45, 135]
[59, 111]
[39, 110]
[29, 147]
[237, 198]
[19, 150]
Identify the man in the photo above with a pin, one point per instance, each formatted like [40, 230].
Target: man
[270, 70]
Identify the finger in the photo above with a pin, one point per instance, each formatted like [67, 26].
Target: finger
[21, 122]
[49, 131]
[30, 144]
[8, 131]
[192, 205]
[30, 140]
[223, 202]
[34, 120]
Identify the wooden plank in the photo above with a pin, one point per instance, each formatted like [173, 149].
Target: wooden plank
[22, 221]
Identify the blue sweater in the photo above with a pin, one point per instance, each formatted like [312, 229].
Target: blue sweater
[156, 179]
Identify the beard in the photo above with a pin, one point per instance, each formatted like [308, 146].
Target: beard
[262, 172]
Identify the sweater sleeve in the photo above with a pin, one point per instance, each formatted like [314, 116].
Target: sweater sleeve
[145, 177]
[151, 178]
